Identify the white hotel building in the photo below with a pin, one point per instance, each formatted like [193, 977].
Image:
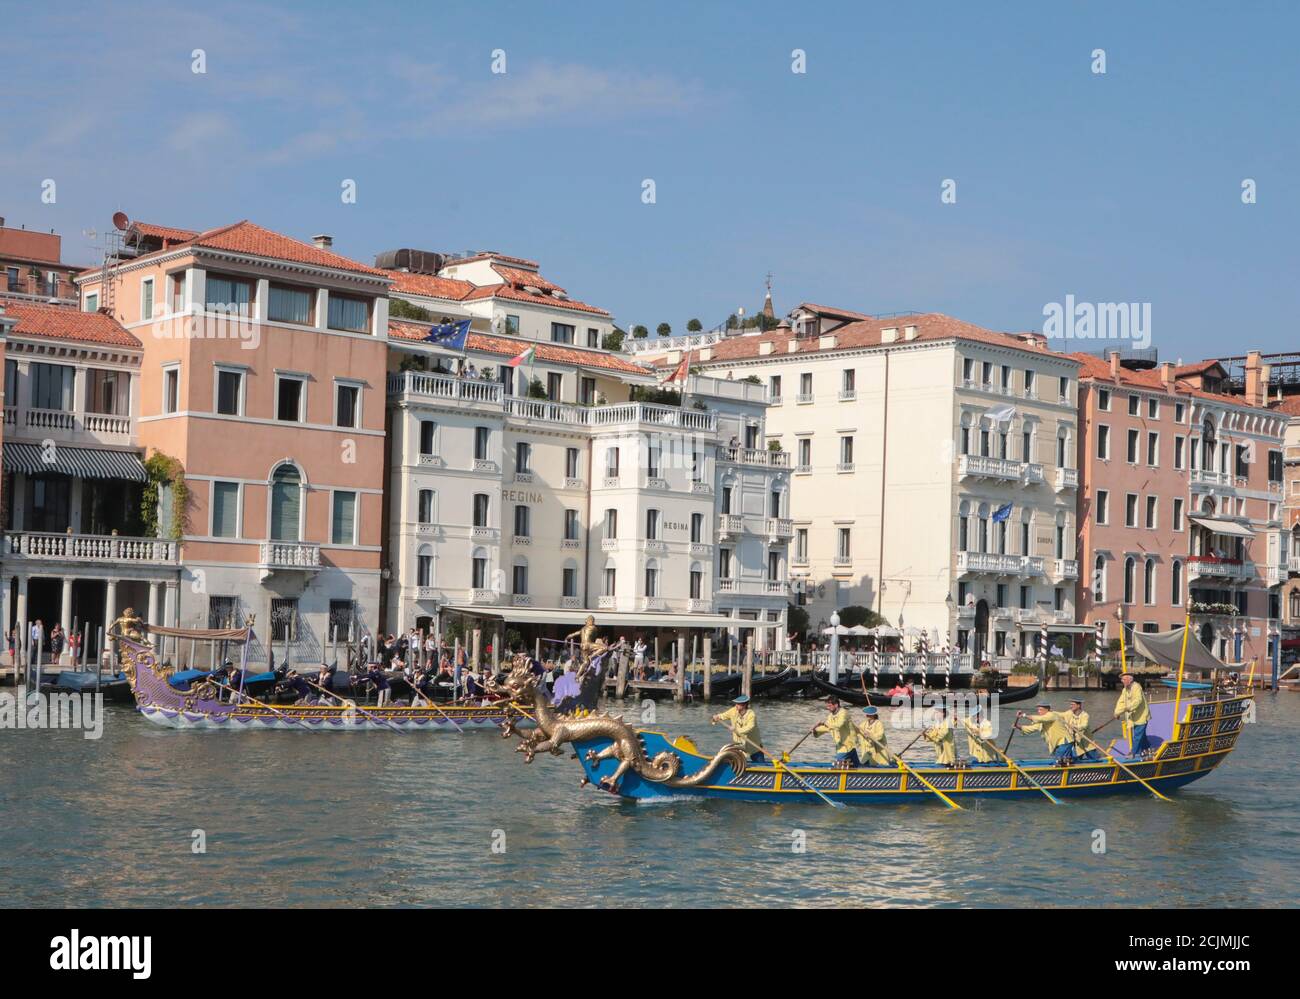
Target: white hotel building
[907, 435]
[537, 508]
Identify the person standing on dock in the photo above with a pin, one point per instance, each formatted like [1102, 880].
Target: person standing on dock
[1132, 711]
[840, 725]
[1056, 733]
[945, 742]
[873, 747]
[979, 734]
[744, 728]
[1076, 720]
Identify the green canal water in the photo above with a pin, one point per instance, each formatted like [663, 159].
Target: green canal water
[381, 819]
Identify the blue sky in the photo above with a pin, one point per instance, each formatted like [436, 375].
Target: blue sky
[1117, 187]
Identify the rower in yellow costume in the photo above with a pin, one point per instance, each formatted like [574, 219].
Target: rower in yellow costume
[979, 734]
[744, 728]
[1076, 720]
[840, 725]
[873, 749]
[1057, 735]
[1132, 710]
[945, 742]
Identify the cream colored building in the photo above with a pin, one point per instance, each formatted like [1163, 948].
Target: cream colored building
[537, 508]
[906, 438]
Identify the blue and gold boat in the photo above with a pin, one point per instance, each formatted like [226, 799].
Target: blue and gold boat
[646, 765]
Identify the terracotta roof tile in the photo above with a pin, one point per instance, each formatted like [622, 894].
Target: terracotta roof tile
[167, 234]
[525, 279]
[403, 329]
[1093, 368]
[60, 322]
[488, 255]
[429, 285]
[514, 294]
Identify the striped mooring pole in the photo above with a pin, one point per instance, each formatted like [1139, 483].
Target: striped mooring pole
[947, 653]
[1100, 628]
[1042, 650]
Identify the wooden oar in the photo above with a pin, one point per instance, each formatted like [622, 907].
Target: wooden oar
[416, 692]
[989, 744]
[786, 754]
[1127, 770]
[253, 700]
[776, 761]
[345, 702]
[1011, 735]
[898, 758]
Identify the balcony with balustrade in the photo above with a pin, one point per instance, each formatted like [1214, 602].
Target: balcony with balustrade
[275, 556]
[107, 550]
[1220, 568]
[755, 456]
[420, 386]
[730, 525]
[779, 529]
[991, 563]
[1066, 478]
[978, 466]
[1066, 568]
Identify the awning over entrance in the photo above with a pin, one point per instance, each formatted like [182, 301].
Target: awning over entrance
[1060, 629]
[82, 462]
[1230, 527]
[612, 619]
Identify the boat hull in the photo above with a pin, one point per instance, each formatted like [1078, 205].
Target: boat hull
[881, 699]
[1208, 734]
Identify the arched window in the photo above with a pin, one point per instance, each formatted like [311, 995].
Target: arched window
[983, 539]
[519, 580]
[1099, 580]
[424, 566]
[1149, 582]
[652, 578]
[1176, 583]
[963, 440]
[424, 512]
[286, 504]
[478, 565]
[1130, 579]
[963, 527]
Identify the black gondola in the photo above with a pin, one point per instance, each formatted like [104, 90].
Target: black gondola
[881, 699]
[771, 686]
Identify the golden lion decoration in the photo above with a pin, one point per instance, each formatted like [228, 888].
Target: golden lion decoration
[523, 687]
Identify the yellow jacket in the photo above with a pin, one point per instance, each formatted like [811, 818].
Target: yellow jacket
[871, 743]
[841, 726]
[1079, 731]
[744, 728]
[983, 730]
[1132, 705]
[945, 743]
[1052, 725]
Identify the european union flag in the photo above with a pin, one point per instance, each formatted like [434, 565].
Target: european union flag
[449, 335]
[1002, 513]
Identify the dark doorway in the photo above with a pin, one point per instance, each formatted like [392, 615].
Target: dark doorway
[1207, 635]
[981, 631]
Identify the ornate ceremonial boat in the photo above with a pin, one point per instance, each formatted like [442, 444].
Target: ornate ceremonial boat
[201, 706]
[645, 765]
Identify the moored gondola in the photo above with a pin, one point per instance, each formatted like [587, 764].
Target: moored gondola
[883, 699]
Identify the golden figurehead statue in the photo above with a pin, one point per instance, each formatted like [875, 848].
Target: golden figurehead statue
[128, 625]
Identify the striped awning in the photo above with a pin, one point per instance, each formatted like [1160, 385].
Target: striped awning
[82, 462]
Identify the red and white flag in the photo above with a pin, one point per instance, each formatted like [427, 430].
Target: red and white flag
[524, 358]
[681, 371]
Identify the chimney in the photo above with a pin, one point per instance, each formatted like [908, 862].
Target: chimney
[909, 333]
[1113, 357]
[889, 334]
[323, 242]
[1256, 381]
[1167, 374]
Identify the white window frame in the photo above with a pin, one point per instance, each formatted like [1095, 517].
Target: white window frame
[236, 369]
[239, 508]
[356, 516]
[1100, 506]
[173, 368]
[356, 415]
[296, 376]
[153, 298]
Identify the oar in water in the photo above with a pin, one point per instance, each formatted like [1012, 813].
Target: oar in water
[989, 744]
[1127, 770]
[898, 758]
[416, 692]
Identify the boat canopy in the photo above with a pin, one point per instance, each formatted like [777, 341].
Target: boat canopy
[1164, 648]
[203, 634]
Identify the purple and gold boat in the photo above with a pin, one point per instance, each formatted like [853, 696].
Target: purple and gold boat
[204, 705]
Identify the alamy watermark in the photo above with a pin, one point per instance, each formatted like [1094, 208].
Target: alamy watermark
[34, 710]
[1073, 320]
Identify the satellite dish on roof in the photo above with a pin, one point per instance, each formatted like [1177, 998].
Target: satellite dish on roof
[120, 221]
